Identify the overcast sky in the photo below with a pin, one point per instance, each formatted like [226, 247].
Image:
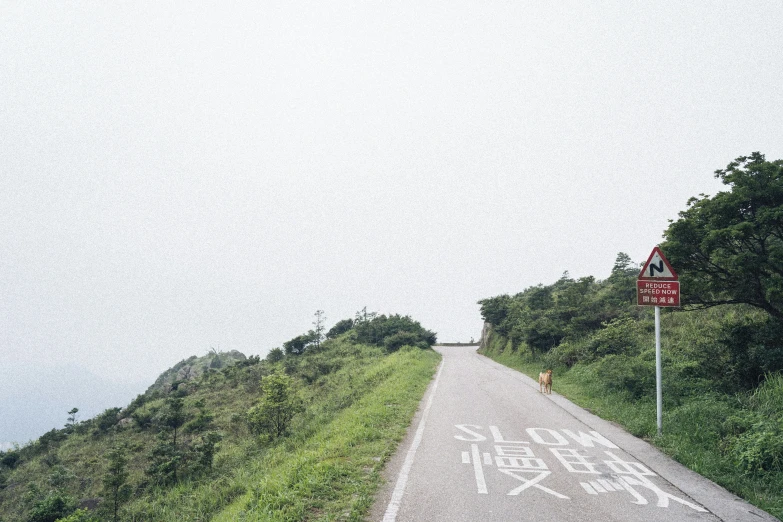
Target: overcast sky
[181, 176]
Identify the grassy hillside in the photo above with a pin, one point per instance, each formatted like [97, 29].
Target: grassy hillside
[214, 447]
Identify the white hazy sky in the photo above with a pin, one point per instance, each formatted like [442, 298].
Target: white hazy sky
[180, 176]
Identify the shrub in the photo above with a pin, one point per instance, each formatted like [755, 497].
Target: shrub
[51, 508]
[396, 341]
[106, 420]
[377, 330]
[274, 355]
[754, 348]
[9, 459]
[616, 337]
[760, 449]
[277, 406]
[340, 328]
[630, 375]
[80, 515]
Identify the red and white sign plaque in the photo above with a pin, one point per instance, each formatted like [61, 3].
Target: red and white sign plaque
[657, 293]
[657, 284]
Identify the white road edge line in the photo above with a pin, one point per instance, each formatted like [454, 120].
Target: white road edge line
[402, 478]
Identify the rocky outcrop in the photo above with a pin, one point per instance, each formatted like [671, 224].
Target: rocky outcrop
[194, 367]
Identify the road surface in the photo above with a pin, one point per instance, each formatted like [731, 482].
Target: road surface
[486, 445]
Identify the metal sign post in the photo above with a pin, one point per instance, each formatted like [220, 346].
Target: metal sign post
[657, 286]
[658, 373]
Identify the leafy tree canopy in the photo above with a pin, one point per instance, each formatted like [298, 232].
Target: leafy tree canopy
[381, 327]
[728, 249]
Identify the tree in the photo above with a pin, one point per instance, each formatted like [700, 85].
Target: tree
[72, 416]
[728, 249]
[362, 316]
[166, 455]
[318, 333]
[52, 508]
[174, 415]
[299, 344]
[114, 481]
[276, 408]
[340, 328]
[274, 355]
[376, 330]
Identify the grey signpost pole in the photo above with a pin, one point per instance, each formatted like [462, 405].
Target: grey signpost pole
[658, 385]
[658, 285]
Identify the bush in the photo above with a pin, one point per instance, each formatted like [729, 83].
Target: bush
[381, 327]
[632, 376]
[277, 406]
[760, 449]
[9, 459]
[616, 337]
[106, 420]
[53, 507]
[567, 354]
[340, 328]
[274, 355]
[754, 348]
[394, 342]
[80, 515]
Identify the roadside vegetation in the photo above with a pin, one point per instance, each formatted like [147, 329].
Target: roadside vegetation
[299, 435]
[722, 352]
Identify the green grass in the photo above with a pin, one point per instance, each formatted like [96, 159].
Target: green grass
[334, 474]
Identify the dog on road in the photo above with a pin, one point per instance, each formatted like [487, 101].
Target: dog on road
[545, 382]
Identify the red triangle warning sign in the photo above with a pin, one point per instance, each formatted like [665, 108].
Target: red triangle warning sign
[658, 267]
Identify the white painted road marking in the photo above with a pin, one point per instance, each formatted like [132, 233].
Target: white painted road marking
[402, 478]
[516, 459]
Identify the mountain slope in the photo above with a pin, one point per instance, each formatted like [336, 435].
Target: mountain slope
[205, 450]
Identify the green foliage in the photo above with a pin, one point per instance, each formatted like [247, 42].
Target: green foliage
[299, 344]
[542, 317]
[751, 348]
[757, 445]
[275, 355]
[105, 421]
[164, 461]
[729, 248]
[51, 508]
[277, 407]
[340, 328]
[10, 459]
[115, 478]
[80, 515]
[632, 376]
[72, 416]
[203, 452]
[760, 449]
[380, 328]
[394, 342]
[203, 420]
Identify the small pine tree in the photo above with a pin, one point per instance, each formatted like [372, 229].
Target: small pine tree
[72, 416]
[114, 481]
[277, 406]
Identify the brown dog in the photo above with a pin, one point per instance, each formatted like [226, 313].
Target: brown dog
[545, 382]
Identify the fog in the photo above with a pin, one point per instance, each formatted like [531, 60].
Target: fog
[180, 177]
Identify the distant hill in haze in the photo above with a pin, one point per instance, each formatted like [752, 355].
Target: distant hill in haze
[36, 399]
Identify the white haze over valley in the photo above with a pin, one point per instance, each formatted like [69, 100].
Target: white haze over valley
[180, 177]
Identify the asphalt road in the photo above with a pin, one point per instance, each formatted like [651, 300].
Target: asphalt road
[486, 445]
